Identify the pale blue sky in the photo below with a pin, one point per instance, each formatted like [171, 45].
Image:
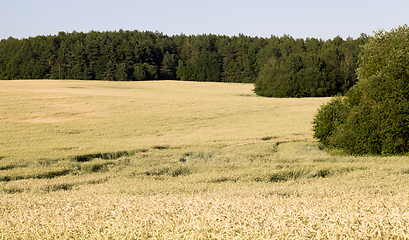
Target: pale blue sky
[299, 18]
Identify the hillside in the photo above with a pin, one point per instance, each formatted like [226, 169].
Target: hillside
[183, 160]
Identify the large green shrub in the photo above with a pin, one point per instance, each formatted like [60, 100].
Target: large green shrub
[373, 117]
[328, 118]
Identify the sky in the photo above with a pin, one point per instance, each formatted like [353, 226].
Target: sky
[323, 19]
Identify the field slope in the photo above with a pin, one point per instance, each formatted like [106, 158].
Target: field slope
[183, 160]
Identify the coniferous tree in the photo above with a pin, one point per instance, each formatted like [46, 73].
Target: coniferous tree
[279, 66]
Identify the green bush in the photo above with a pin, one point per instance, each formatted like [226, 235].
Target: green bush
[328, 118]
[373, 117]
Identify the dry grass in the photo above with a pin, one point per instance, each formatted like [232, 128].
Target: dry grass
[54, 119]
[183, 160]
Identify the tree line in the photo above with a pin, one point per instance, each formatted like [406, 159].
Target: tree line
[279, 66]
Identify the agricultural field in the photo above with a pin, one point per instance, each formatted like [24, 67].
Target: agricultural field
[183, 160]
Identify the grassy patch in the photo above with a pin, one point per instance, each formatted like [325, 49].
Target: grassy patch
[7, 166]
[160, 147]
[173, 171]
[27, 173]
[106, 156]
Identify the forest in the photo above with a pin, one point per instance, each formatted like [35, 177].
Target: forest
[278, 66]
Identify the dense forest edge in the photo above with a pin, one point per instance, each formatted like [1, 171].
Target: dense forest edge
[278, 66]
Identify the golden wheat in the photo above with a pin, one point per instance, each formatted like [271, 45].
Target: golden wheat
[183, 160]
[257, 212]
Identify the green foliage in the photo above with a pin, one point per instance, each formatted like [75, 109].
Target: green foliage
[279, 67]
[130, 56]
[307, 68]
[328, 118]
[218, 58]
[373, 117]
[123, 55]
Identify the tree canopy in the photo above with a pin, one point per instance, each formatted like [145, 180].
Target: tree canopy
[279, 66]
[308, 68]
[373, 117]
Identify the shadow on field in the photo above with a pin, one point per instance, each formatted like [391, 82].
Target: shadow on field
[106, 156]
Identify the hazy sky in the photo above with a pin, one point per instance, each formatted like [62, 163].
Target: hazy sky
[324, 19]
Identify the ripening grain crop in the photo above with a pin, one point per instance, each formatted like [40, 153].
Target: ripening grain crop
[183, 160]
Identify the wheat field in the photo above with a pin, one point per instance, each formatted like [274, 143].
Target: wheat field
[183, 160]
